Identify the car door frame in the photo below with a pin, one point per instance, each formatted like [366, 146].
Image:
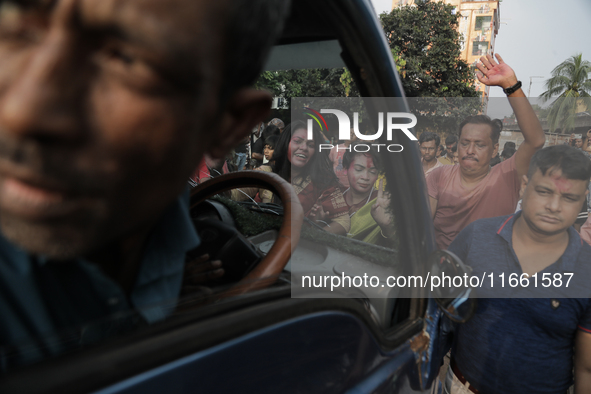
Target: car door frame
[357, 29]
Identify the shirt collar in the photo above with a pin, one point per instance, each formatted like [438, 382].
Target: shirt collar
[159, 280]
[570, 255]
[161, 273]
[506, 229]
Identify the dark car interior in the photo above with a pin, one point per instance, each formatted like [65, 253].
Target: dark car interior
[256, 292]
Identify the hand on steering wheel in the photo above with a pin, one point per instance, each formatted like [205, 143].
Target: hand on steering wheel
[267, 271]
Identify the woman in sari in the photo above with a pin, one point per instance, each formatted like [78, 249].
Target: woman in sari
[309, 170]
[370, 221]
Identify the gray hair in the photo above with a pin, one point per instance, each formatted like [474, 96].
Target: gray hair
[253, 27]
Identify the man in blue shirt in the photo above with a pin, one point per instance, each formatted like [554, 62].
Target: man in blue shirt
[525, 344]
[106, 108]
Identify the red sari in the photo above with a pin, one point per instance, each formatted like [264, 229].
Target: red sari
[331, 199]
[203, 172]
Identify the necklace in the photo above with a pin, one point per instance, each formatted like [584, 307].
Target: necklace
[368, 197]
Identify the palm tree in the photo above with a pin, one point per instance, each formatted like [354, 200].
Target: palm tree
[571, 83]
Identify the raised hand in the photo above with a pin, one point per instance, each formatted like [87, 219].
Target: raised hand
[379, 211]
[493, 73]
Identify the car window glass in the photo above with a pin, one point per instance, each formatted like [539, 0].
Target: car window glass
[251, 218]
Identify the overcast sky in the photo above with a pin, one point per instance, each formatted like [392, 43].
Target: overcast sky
[537, 35]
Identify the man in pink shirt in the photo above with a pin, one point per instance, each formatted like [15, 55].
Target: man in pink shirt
[473, 190]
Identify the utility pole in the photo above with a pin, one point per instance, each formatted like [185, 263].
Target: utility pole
[530, 81]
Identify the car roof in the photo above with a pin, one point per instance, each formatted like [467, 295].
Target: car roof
[339, 33]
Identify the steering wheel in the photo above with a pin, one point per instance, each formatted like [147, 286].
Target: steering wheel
[267, 271]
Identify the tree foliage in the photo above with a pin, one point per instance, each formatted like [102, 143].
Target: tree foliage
[571, 84]
[427, 40]
[425, 46]
[317, 82]
[425, 37]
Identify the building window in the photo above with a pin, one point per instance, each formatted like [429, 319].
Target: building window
[483, 23]
[479, 48]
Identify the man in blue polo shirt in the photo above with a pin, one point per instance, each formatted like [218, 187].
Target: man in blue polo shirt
[525, 344]
[106, 108]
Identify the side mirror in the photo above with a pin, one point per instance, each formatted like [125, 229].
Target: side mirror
[449, 292]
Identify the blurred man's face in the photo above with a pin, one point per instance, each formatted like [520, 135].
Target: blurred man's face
[579, 143]
[106, 107]
[450, 147]
[475, 148]
[551, 203]
[258, 129]
[455, 157]
[428, 150]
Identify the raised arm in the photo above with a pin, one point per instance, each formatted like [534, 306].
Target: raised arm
[257, 156]
[493, 73]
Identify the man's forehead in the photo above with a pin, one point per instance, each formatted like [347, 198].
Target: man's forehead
[476, 130]
[176, 24]
[554, 179]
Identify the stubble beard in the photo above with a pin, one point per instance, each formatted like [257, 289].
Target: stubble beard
[60, 242]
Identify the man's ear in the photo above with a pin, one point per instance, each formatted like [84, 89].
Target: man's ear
[495, 150]
[245, 109]
[524, 182]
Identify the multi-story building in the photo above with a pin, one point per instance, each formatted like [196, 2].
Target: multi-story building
[478, 28]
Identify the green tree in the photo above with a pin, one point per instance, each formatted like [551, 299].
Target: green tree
[425, 46]
[317, 82]
[425, 37]
[571, 86]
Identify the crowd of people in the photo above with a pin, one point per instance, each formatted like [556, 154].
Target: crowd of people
[339, 190]
[514, 213]
[88, 109]
[510, 211]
